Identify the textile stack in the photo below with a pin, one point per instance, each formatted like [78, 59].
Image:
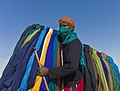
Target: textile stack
[99, 71]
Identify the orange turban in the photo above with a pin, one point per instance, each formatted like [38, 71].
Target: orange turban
[68, 21]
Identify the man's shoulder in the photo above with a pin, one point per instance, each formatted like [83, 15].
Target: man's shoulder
[76, 41]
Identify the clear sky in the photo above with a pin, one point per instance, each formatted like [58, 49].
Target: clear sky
[97, 22]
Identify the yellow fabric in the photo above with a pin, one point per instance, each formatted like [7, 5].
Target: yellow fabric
[30, 37]
[110, 81]
[100, 70]
[42, 59]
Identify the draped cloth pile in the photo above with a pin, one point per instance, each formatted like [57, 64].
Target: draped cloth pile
[100, 73]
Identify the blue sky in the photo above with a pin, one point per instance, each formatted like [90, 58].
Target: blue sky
[97, 22]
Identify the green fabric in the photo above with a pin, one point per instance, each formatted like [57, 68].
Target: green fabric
[52, 85]
[55, 51]
[70, 37]
[116, 85]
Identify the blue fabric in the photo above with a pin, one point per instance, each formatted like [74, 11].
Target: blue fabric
[22, 66]
[115, 67]
[104, 67]
[82, 60]
[23, 86]
[13, 75]
[48, 60]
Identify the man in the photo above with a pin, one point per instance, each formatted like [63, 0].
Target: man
[72, 48]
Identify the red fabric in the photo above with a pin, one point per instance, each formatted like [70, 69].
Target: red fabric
[98, 53]
[80, 86]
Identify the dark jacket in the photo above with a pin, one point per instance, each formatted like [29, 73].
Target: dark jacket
[70, 69]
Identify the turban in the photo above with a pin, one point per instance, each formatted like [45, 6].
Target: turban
[68, 21]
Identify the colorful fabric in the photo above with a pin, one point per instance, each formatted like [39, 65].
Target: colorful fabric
[52, 83]
[42, 59]
[103, 65]
[49, 63]
[110, 81]
[100, 70]
[23, 86]
[99, 85]
[116, 85]
[16, 70]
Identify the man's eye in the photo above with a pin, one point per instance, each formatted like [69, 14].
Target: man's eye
[64, 25]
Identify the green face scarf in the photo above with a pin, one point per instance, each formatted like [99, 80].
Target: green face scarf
[63, 31]
[67, 34]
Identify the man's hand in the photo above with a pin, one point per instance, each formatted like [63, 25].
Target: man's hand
[43, 71]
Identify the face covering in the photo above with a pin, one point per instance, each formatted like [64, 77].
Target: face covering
[63, 31]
